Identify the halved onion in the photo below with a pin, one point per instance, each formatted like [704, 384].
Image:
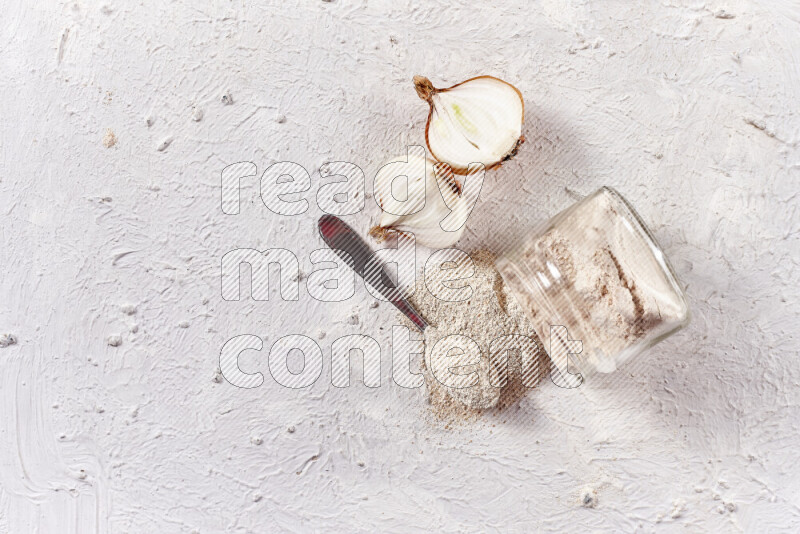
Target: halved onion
[475, 121]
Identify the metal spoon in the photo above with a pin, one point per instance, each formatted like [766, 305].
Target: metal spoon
[349, 246]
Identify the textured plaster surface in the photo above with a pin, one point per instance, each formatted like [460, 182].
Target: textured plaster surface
[116, 119]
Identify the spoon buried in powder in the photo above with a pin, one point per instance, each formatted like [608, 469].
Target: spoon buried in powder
[349, 246]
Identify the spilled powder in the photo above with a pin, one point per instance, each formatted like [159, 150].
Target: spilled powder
[6, 340]
[109, 138]
[588, 497]
[487, 314]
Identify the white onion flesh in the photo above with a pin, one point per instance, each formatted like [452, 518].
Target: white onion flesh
[477, 121]
[426, 188]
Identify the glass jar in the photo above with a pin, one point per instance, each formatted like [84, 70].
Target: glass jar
[596, 286]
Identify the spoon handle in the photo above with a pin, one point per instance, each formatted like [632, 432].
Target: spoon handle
[349, 246]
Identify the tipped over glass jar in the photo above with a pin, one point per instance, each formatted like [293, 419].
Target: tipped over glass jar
[596, 286]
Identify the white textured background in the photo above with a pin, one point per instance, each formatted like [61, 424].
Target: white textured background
[691, 109]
